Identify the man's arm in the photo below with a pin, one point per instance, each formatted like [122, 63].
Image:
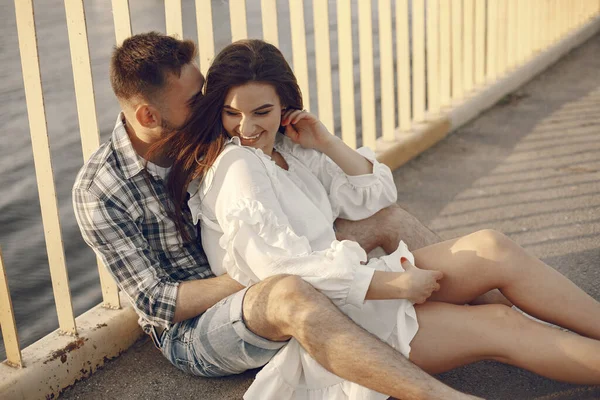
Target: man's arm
[116, 239]
[195, 297]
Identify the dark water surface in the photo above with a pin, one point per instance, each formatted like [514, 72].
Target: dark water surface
[21, 232]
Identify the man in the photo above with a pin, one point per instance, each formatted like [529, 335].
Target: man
[212, 326]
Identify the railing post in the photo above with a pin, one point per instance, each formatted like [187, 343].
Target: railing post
[403, 69]
[433, 57]
[43, 164]
[237, 16]
[445, 53]
[323, 63]
[268, 11]
[367, 77]
[346, 64]
[122, 20]
[86, 110]
[206, 42]
[299, 59]
[388, 117]
[173, 21]
[418, 57]
[7, 322]
[457, 50]
[468, 44]
[480, 35]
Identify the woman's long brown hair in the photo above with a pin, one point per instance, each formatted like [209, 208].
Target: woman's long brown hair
[196, 146]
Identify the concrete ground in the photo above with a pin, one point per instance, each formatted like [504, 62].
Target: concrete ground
[529, 167]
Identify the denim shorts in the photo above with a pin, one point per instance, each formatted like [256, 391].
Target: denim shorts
[217, 342]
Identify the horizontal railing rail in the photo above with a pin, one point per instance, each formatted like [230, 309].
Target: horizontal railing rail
[417, 62]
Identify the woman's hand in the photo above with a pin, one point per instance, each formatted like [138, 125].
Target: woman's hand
[414, 284]
[419, 284]
[306, 130]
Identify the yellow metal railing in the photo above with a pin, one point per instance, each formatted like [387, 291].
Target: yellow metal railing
[446, 51]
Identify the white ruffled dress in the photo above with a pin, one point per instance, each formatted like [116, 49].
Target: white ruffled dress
[259, 220]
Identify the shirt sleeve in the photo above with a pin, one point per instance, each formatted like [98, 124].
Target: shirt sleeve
[259, 242]
[118, 242]
[352, 197]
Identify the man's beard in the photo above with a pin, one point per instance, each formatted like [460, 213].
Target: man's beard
[167, 127]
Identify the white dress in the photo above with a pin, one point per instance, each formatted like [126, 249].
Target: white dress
[259, 220]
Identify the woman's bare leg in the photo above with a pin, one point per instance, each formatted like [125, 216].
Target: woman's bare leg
[450, 336]
[476, 263]
[386, 228]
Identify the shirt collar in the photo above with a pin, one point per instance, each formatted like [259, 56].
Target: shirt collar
[131, 162]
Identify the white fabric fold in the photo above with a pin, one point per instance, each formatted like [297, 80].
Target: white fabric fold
[258, 220]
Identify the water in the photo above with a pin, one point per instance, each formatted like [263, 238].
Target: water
[21, 233]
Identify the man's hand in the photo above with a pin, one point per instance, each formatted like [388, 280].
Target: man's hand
[196, 296]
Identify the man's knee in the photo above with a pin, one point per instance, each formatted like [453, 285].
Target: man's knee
[280, 303]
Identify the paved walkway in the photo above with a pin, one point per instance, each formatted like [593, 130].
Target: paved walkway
[529, 167]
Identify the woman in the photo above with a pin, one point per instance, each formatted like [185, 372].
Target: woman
[266, 204]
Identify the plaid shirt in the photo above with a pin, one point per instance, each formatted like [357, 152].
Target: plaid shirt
[121, 212]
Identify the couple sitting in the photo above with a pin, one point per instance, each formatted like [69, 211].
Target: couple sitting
[241, 178]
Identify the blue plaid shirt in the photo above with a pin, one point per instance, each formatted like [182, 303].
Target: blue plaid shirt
[121, 212]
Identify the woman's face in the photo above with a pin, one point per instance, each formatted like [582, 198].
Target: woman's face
[253, 112]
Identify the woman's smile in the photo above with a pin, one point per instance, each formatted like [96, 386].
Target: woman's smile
[253, 113]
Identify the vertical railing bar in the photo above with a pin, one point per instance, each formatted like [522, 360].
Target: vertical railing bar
[457, 51]
[367, 78]
[7, 322]
[502, 34]
[268, 11]
[433, 56]
[386, 55]
[122, 20]
[345, 63]
[323, 63]
[529, 15]
[173, 18]
[492, 40]
[237, 16]
[553, 21]
[561, 18]
[480, 35]
[512, 34]
[418, 57]
[86, 111]
[468, 44]
[299, 53]
[403, 69]
[206, 41]
[445, 53]
[547, 23]
[43, 164]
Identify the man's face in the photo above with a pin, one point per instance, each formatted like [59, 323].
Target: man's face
[178, 96]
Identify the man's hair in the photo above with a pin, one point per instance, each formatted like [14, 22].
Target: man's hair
[141, 64]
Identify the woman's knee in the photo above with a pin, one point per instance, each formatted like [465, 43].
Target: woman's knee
[491, 244]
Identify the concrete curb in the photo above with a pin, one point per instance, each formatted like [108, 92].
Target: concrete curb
[58, 361]
[410, 144]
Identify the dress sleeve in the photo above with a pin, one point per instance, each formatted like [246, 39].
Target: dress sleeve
[259, 242]
[352, 197]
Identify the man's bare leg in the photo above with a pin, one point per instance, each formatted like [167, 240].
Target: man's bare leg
[285, 306]
[386, 228]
